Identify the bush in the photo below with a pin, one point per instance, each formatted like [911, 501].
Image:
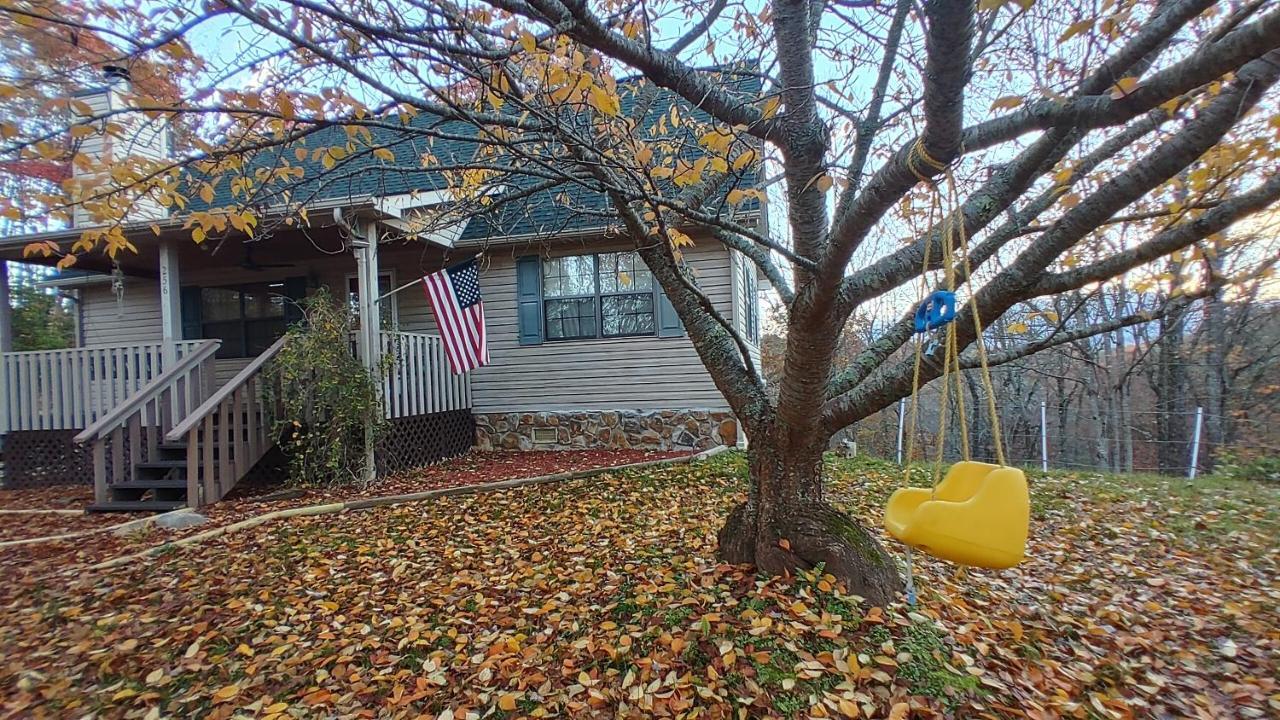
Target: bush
[1257, 469]
[328, 397]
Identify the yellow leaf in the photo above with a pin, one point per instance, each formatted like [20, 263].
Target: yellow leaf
[1076, 28]
[771, 106]
[603, 100]
[1018, 328]
[507, 703]
[1008, 102]
[899, 711]
[1123, 87]
[744, 159]
[155, 676]
[206, 193]
[124, 695]
[244, 650]
[644, 155]
[285, 105]
[226, 693]
[735, 196]
[990, 4]
[849, 708]
[197, 236]
[528, 42]
[276, 709]
[385, 154]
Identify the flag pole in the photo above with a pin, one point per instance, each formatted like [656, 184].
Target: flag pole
[410, 284]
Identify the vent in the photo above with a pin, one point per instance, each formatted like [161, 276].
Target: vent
[545, 436]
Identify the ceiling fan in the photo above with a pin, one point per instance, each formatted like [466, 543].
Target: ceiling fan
[248, 263]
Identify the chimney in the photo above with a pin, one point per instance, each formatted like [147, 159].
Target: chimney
[121, 137]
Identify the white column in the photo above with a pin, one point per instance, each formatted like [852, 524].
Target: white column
[6, 344]
[170, 302]
[369, 340]
[6, 310]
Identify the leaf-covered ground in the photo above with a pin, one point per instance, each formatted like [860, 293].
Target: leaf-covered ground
[602, 598]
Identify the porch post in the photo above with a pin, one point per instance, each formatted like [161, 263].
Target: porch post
[6, 311]
[6, 344]
[170, 302]
[369, 339]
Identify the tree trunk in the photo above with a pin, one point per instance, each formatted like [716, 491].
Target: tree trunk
[785, 525]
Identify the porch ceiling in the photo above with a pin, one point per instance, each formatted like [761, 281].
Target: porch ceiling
[282, 247]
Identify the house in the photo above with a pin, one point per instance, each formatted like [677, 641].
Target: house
[162, 401]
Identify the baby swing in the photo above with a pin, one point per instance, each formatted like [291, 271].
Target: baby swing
[977, 515]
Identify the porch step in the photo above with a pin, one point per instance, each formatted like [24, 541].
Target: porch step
[161, 483]
[161, 464]
[156, 506]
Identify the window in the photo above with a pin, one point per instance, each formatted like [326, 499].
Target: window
[605, 295]
[247, 319]
[750, 301]
[386, 308]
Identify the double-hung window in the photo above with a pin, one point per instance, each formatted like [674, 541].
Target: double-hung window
[603, 295]
[247, 319]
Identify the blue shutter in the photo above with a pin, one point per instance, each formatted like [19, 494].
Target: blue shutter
[529, 299]
[669, 324]
[192, 315]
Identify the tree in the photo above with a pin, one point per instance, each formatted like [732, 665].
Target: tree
[41, 319]
[1040, 126]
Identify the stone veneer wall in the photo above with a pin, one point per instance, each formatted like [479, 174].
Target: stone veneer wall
[653, 430]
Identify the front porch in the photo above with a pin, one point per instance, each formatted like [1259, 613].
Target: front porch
[189, 409]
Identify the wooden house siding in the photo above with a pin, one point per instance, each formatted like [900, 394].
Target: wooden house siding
[634, 373]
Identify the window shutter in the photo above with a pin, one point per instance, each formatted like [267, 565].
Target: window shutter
[191, 313]
[529, 299]
[295, 288]
[669, 324]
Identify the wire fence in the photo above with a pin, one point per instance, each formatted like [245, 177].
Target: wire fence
[1191, 442]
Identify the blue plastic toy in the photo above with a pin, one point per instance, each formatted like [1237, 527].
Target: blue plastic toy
[937, 310]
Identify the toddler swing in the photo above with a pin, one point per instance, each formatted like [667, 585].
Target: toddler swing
[978, 514]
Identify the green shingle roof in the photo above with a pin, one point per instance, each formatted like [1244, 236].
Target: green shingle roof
[543, 213]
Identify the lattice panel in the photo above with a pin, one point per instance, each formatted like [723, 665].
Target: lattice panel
[44, 458]
[425, 439]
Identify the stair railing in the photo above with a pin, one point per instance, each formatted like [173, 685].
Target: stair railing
[130, 432]
[231, 430]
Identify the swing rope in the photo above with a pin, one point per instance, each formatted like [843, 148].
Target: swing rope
[953, 234]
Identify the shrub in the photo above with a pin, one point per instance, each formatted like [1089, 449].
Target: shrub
[328, 397]
[1258, 469]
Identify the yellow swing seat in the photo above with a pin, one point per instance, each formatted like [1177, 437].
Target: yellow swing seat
[977, 516]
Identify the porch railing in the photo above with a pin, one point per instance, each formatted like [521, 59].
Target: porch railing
[70, 389]
[231, 430]
[420, 381]
[134, 428]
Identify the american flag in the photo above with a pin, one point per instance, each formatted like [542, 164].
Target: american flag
[455, 299]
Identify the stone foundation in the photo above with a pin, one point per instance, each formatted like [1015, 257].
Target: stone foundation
[654, 430]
